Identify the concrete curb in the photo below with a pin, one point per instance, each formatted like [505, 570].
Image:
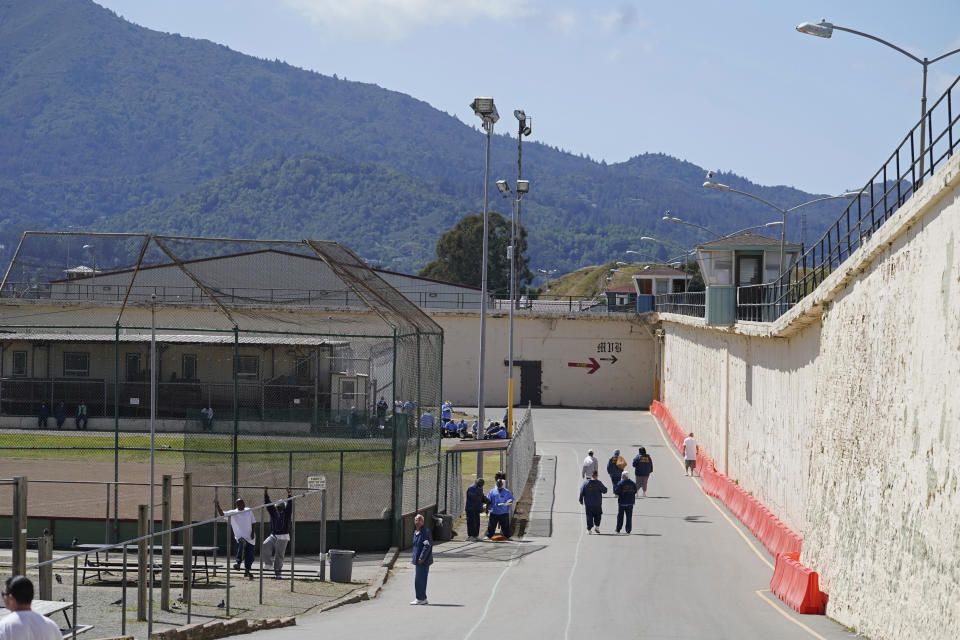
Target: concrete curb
[388, 561]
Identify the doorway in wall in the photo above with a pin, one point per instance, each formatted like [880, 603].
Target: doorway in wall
[530, 379]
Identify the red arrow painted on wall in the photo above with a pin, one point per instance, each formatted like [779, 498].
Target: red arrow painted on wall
[593, 365]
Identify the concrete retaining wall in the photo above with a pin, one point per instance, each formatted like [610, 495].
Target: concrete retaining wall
[843, 418]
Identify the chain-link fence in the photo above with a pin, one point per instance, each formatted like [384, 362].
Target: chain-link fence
[520, 454]
[253, 362]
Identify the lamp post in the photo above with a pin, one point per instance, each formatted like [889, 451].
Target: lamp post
[547, 273]
[523, 186]
[669, 218]
[484, 108]
[524, 128]
[824, 29]
[710, 184]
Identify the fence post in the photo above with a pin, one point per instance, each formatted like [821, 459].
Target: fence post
[142, 563]
[323, 530]
[165, 497]
[293, 540]
[45, 553]
[188, 541]
[261, 555]
[19, 526]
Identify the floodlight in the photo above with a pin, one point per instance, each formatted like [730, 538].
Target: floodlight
[503, 187]
[822, 29]
[519, 114]
[523, 186]
[484, 108]
[709, 184]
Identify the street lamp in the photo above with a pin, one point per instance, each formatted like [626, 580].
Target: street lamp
[547, 273]
[523, 186]
[710, 184]
[524, 128]
[668, 218]
[484, 108]
[824, 29]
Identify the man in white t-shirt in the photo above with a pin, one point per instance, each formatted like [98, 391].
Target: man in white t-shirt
[690, 449]
[23, 623]
[242, 521]
[590, 466]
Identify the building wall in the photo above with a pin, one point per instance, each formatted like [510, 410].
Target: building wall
[555, 341]
[843, 418]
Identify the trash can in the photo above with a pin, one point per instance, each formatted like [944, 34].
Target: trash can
[341, 564]
[442, 526]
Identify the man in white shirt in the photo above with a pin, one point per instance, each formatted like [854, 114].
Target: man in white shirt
[242, 521]
[590, 465]
[23, 623]
[690, 449]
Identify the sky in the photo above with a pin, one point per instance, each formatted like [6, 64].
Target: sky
[729, 86]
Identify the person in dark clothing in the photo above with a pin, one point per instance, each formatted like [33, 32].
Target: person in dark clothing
[275, 544]
[615, 467]
[82, 416]
[591, 497]
[60, 413]
[422, 559]
[42, 414]
[626, 492]
[476, 500]
[643, 465]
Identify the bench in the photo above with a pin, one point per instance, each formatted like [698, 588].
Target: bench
[48, 608]
[106, 565]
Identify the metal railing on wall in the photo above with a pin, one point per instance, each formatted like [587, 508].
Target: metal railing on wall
[690, 303]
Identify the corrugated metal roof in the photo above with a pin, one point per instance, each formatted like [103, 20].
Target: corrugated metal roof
[746, 240]
[174, 338]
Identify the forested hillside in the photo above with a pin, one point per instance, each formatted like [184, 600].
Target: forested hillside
[105, 125]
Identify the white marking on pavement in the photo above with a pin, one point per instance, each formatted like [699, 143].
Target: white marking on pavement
[576, 558]
[493, 592]
[773, 604]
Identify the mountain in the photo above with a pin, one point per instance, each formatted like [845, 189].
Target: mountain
[109, 126]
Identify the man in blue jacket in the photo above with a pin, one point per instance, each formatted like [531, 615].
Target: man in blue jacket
[626, 491]
[500, 501]
[475, 502]
[275, 545]
[591, 497]
[643, 465]
[422, 559]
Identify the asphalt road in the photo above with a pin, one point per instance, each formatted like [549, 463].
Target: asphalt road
[687, 571]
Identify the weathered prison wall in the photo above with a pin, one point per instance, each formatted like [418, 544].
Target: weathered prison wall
[842, 417]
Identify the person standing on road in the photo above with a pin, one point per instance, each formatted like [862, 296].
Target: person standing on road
[23, 623]
[590, 466]
[615, 467]
[42, 414]
[643, 466]
[500, 501]
[422, 559]
[626, 492]
[275, 545]
[242, 522]
[690, 450]
[591, 497]
[476, 500]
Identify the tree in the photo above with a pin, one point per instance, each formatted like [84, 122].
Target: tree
[459, 254]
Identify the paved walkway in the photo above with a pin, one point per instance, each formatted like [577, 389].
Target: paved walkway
[687, 571]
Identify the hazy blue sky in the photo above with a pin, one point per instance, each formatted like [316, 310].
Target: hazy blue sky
[726, 85]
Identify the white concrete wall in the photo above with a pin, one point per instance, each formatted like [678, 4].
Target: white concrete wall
[556, 341]
[843, 418]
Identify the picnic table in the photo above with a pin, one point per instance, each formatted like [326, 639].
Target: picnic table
[104, 565]
[48, 608]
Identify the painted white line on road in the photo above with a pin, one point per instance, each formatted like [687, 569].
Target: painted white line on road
[710, 498]
[576, 559]
[493, 591]
[786, 615]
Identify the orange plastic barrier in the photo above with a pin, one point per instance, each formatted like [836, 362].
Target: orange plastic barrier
[797, 585]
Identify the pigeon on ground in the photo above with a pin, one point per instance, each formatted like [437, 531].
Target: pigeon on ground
[58, 577]
[117, 601]
[222, 604]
